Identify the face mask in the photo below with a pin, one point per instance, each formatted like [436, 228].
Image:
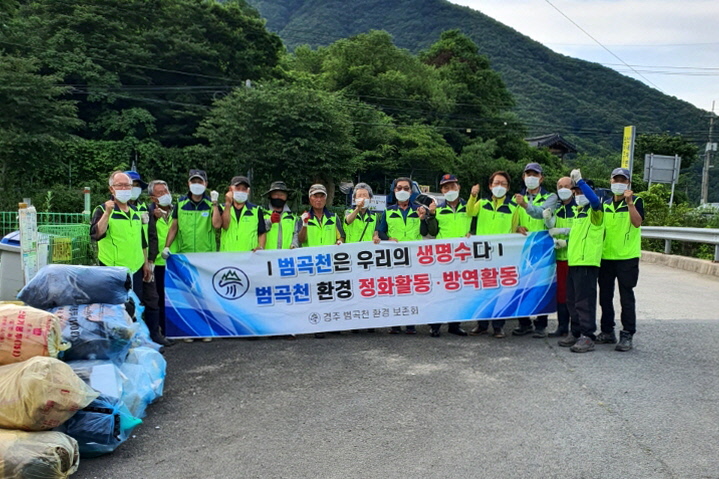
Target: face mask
[619, 188]
[197, 188]
[277, 202]
[564, 193]
[165, 200]
[123, 196]
[135, 192]
[531, 182]
[240, 196]
[581, 200]
[451, 195]
[402, 195]
[499, 191]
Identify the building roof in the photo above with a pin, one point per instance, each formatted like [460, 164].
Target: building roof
[553, 141]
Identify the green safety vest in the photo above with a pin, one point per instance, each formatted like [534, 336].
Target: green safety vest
[362, 228]
[400, 229]
[322, 233]
[623, 240]
[142, 209]
[533, 224]
[241, 235]
[195, 233]
[287, 224]
[122, 244]
[565, 219]
[491, 221]
[586, 237]
[162, 225]
[453, 224]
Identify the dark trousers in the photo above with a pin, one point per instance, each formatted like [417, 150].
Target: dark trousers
[450, 326]
[582, 299]
[160, 283]
[496, 324]
[562, 309]
[625, 272]
[539, 323]
[148, 297]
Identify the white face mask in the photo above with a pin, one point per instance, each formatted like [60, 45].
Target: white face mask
[197, 188]
[499, 191]
[402, 195]
[240, 196]
[531, 182]
[123, 196]
[135, 192]
[619, 188]
[165, 200]
[564, 193]
[581, 200]
[451, 195]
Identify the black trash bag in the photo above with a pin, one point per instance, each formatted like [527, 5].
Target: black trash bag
[64, 284]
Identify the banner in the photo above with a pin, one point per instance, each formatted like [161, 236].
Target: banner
[359, 285]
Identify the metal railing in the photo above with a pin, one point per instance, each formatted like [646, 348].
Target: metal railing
[675, 233]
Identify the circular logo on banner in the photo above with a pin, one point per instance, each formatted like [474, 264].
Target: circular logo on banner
[231, 282]
[314, 318]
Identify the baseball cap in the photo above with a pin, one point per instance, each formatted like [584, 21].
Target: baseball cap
[621, 172]
[135, 176]
[277, 186]
[238, 180]
[198, 174]
[318, 189]
[534, 167]
[448, 179]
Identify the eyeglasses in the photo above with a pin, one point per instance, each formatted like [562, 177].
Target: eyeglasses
[402, 188]
[122, 186]
[504, 183]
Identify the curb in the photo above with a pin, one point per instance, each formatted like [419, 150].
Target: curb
[701, 266]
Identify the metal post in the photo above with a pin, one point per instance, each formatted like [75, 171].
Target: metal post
[667, 246]
[716, 253]
[651, 165]
[707, 161]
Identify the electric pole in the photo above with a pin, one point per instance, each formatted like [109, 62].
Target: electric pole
[707, 160]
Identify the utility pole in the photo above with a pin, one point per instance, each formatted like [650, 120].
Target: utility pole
[707, 160]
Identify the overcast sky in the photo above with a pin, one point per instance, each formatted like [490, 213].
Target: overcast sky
[673, 44]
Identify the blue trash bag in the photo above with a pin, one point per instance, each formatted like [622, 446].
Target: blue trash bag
[63, 284]
[154, 364]
[100, 427]
[137, 387]
[95, 331]
[101, 375]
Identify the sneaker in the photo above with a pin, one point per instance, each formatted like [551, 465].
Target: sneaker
[522, 330]
[606, 338]
[162, 340]
[568, 341]
[540, 333]
[206, 340]
[558, 333]
[625, 341]
[410, 330]
[583, 345]
[498, 333]
[319, 335]
[188, 340]
[434, 333]
[394, 330]
[457, 330]
[477, 331]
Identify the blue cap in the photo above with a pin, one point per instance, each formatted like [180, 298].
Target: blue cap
[621, 172]
[135, 176]
[534, 167]
[448, 179]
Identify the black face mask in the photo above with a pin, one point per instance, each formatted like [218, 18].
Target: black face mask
[277, 202]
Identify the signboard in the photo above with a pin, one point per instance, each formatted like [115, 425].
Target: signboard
[628, 148]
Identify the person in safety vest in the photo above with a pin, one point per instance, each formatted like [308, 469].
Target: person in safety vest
[495, 215]
[243, 223]
[403, 220]
[196, 219]
[283, 226]
[584, 255]
[623, 217]
[160, 220]
[533, 194]
[448, 220]
[360, 222]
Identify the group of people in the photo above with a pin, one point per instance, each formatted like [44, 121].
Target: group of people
[597, 243]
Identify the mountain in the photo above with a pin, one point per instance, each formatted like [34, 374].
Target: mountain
[585, 102]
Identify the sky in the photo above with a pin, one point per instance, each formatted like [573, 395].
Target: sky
[671, 45]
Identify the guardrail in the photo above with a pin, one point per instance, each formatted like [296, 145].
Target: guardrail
[675, 233]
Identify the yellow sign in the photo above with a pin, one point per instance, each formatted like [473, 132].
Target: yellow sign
[627, 146]
[62, 250]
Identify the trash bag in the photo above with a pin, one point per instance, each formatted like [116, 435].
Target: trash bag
[26, 332]
[37, 455]
[63, 284]
[40, 393]
[100, 427]
[142, 332]
[101, 375]
[137, 388]
[154, 365]
[95, 331]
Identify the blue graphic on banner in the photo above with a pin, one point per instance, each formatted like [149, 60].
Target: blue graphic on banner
[359, 285]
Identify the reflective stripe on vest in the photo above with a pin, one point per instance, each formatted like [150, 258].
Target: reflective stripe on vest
[195, 233]
[622, 240]
[122, 244]
[453, 224]
[400, 229]
[287, 225]
[241, 235]
[322, 233]
[495, 222]
[585, 238]
[362, 228]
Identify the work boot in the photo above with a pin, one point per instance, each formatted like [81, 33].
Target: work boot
[478, 330]
[522, 330]
[160, 339]
[568, 341]
[498, 333]
[455, 329]
[625, 341]
[540, 333]
[606, 338]
[583, 345]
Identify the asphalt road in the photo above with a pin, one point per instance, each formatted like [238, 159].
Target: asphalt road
[385, 406]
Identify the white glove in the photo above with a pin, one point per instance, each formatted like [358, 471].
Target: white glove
[575, 175]
[214, 196]
[305, 217]
[360, 202]
[547, 214]
[145, 218]
[559, 244]
[558, 231]
[166, 253]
